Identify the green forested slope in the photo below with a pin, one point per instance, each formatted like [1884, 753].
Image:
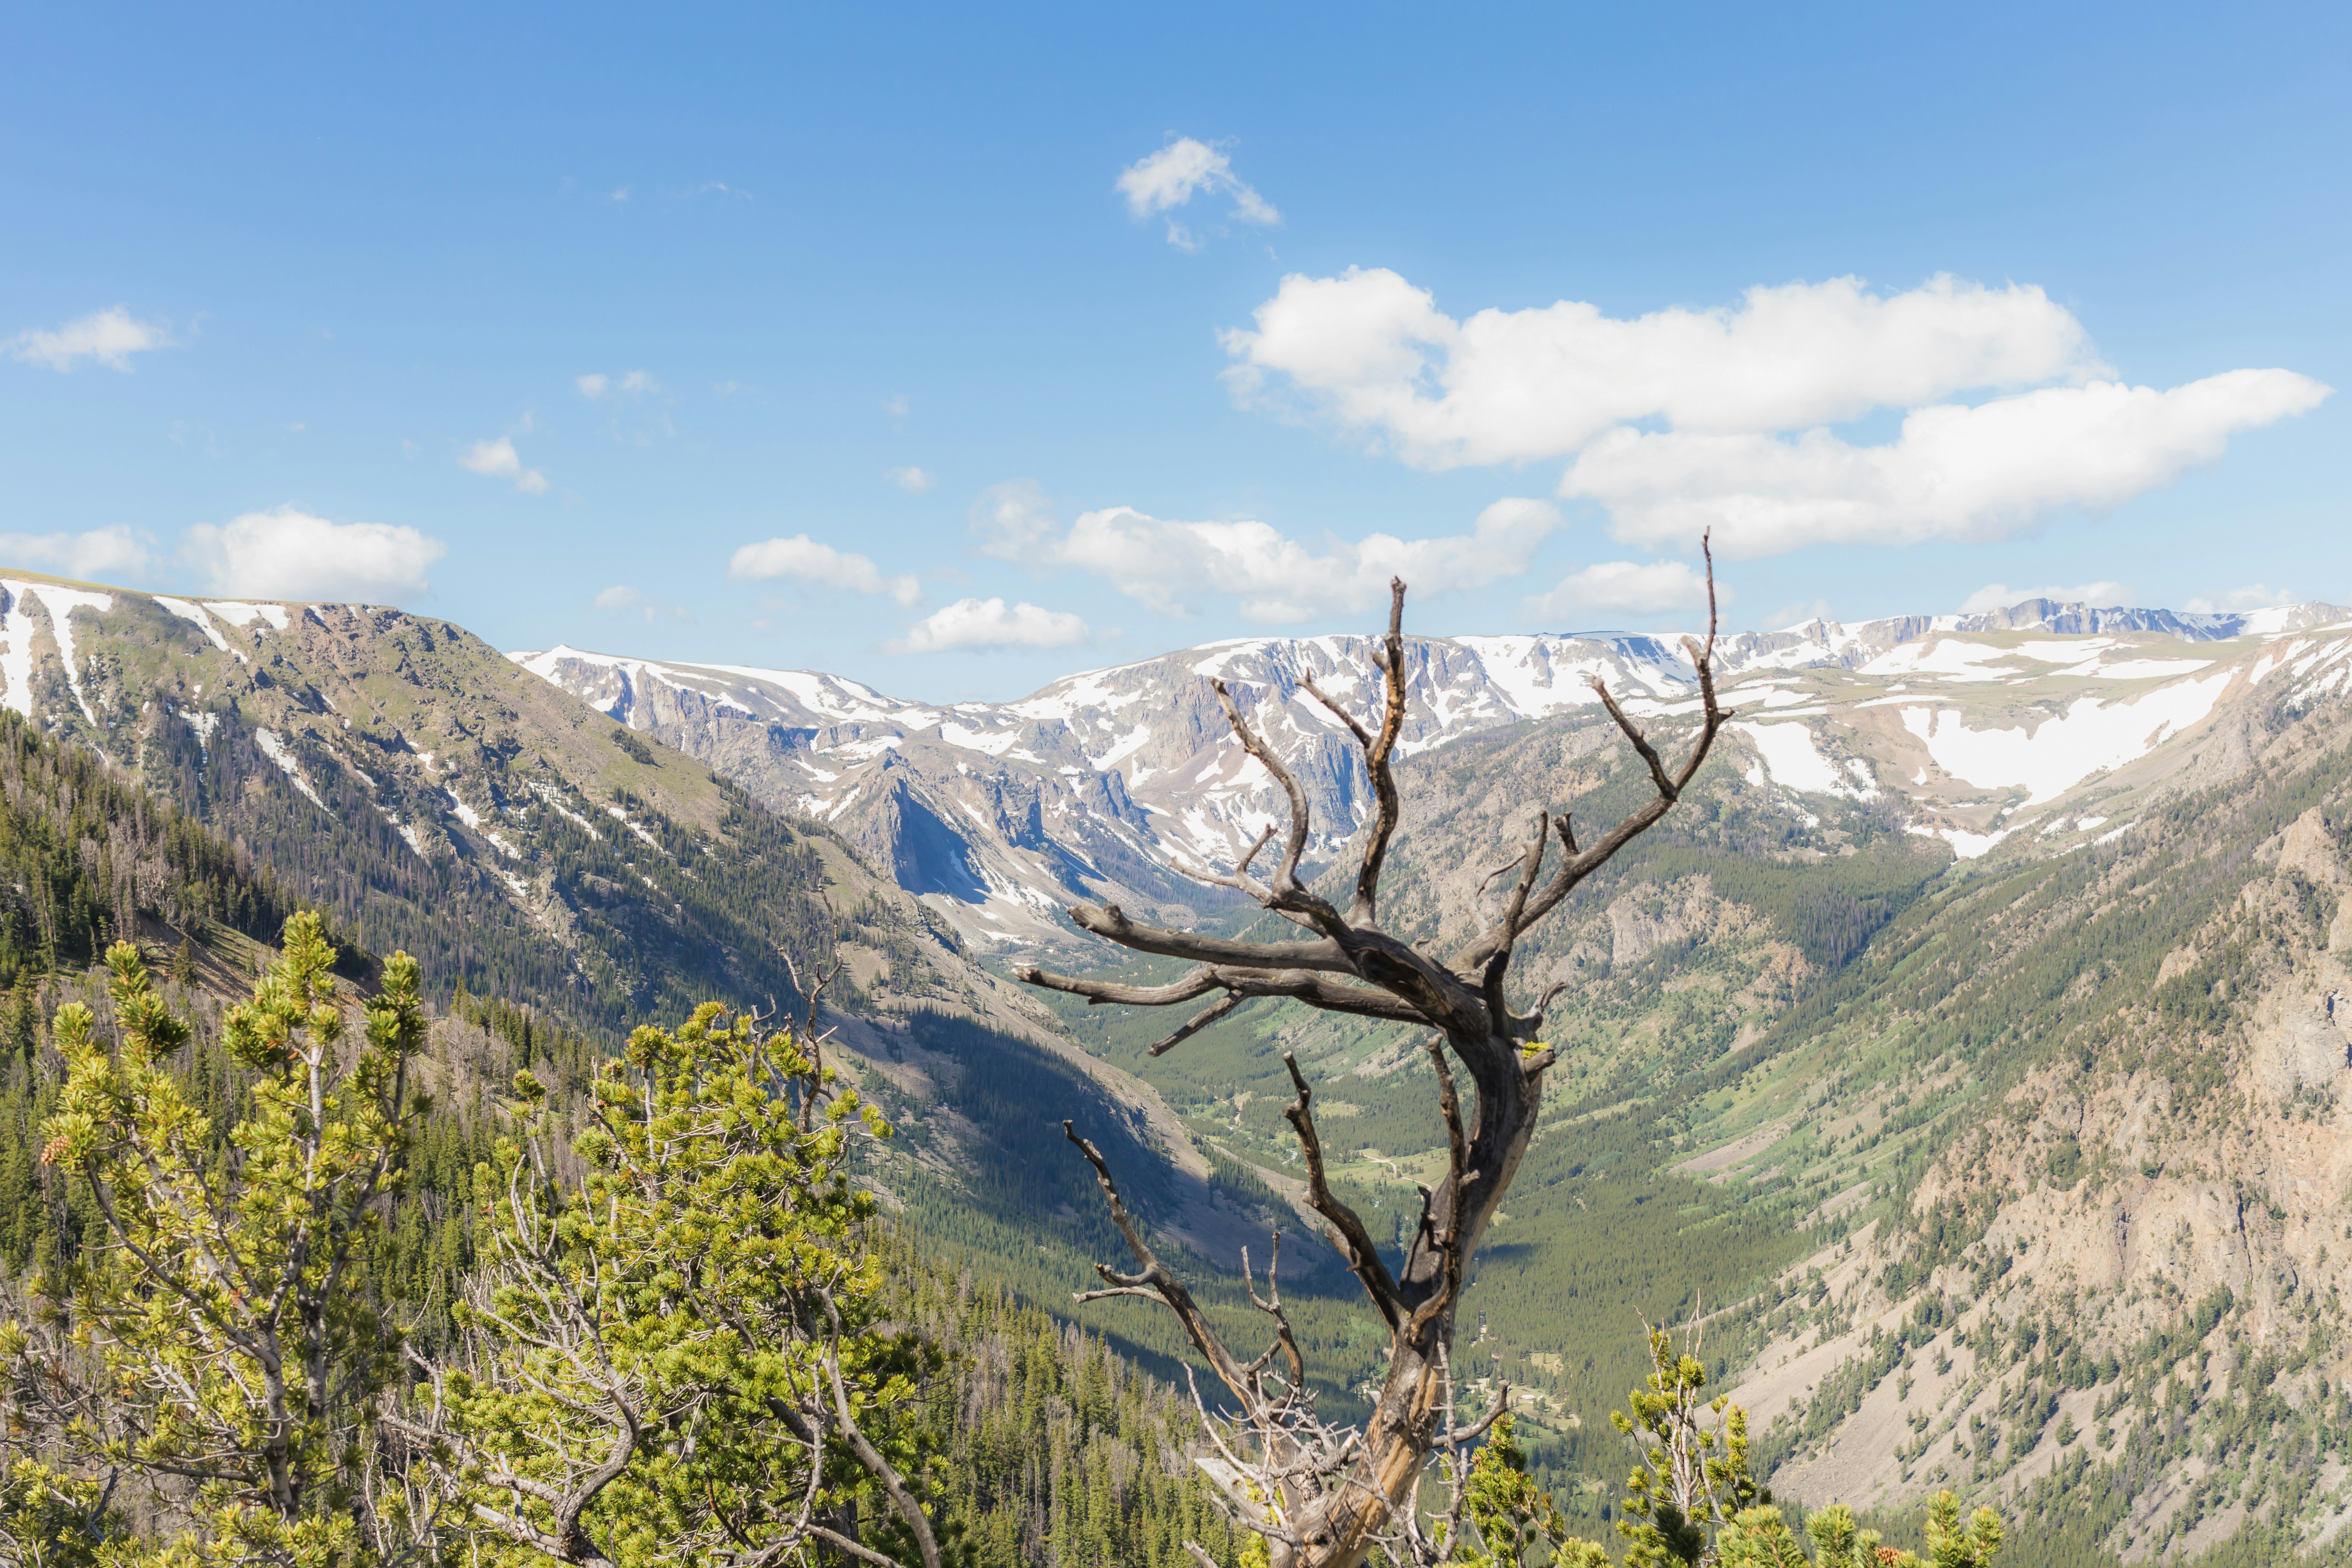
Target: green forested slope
[1049, 1446]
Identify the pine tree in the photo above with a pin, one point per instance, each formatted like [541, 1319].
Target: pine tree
[23, 1020]
[242, 1351]
[713, 1274]
[184, 963]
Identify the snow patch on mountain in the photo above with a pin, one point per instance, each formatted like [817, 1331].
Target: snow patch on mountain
[16, 626]
[1792, 757]
[2049, 758]
[239, 613]
[277, 752]
[202, 623]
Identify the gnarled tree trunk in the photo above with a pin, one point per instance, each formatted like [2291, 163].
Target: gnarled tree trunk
[1325, 1496]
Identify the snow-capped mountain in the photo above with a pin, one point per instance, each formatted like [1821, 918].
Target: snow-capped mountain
[1112, 783]
[402, 773]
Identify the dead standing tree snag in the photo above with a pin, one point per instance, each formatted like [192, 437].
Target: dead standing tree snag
[1324, 1496]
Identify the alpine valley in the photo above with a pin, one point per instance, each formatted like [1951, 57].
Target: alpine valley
[1971, 1050]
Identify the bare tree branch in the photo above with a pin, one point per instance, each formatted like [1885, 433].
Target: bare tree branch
[1230, 1005]
[1364, 1001]
[902, 1500]
[1363, 1256]
[1271, 1305]
[1667, 784]
[1112, 923]
[1286, 895]
[1193, 984]
[1155, 1278]
[1390, 804]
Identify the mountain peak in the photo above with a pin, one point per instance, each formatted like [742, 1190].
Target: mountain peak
[1106, 783]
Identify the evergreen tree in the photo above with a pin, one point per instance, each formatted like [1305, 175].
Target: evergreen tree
[24, 1019]
[678, 1357]
[1692, 1501]
[239, 1353]
[1507, 1520]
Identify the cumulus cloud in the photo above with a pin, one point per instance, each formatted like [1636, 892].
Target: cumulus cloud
[499, 460]
[1955, 472]
[2000, 596]
[594, 383]
[109, 336]
[975, 624]
[1183, 169]
[89, 556]
[284, 553]
[1373, 353]
[623, 600]
[804, 559]
[913, 480]
[1168, 564]
[2253, 596]
[1629, 587]
[1684, 419]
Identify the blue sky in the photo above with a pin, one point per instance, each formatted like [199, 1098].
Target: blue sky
[898, 382]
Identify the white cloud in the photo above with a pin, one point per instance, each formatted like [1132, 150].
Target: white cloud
[1687, 419]
[804, 559]
[2000, 596]
[1172, 176]
[288, 554]
[970, 624]
[1373, 353]
[623, 600]
[1167, 564]
[90, 555]
[913, 480]
[109, 336]
[2253, 596]
[593, 385]
[499, 460]
[1955, 472]
[895, 405]
[1640, 588]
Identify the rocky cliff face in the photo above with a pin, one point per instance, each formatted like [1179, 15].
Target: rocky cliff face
[2117, 1262]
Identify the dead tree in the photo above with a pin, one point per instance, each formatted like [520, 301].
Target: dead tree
[1325, 1496]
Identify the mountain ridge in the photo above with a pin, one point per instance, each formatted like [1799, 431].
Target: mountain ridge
[1112, 784]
